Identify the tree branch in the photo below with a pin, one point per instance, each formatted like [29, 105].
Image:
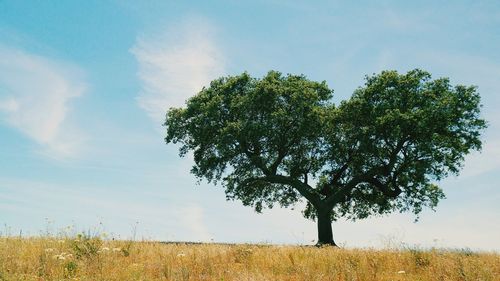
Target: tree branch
[277, 162]
[368, 176]
[339, 173]
[254, 158]
[304, 189]
[384, 188]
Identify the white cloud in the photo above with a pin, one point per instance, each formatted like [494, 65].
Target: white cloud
[34, 96]
[192, 218]
[175, 64]
[9, 105]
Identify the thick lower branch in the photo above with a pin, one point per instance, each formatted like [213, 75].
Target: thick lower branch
[304, 189]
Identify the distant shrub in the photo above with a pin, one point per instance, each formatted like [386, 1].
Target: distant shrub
[86, 246]
[466, 252]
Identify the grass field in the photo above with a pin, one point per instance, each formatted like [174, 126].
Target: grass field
[84, 258]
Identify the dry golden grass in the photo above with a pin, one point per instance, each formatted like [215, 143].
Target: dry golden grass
[85, 258]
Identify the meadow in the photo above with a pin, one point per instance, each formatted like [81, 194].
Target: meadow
[89, 258]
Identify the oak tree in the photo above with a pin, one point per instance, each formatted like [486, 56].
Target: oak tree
[281, 139]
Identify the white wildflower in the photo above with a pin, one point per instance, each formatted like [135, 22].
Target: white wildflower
[59, 257]
[401, 272]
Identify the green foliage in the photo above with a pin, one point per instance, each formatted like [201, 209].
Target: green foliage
[249, 124]
[70, 269]
[281, 138]
[86, 246]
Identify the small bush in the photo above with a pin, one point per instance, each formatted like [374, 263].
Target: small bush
[421, 258]
[85, 246]
[70, 269]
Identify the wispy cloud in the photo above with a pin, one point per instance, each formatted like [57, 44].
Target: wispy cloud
[192, 218]
[34, 98]
[175, 64]
[405, 22]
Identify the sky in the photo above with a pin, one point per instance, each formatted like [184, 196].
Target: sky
[84, 86]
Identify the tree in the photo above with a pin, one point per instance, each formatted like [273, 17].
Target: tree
[281, 138]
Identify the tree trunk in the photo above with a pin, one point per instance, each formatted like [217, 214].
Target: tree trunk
[325, 233]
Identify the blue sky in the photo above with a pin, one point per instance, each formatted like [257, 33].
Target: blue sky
[84, 86]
